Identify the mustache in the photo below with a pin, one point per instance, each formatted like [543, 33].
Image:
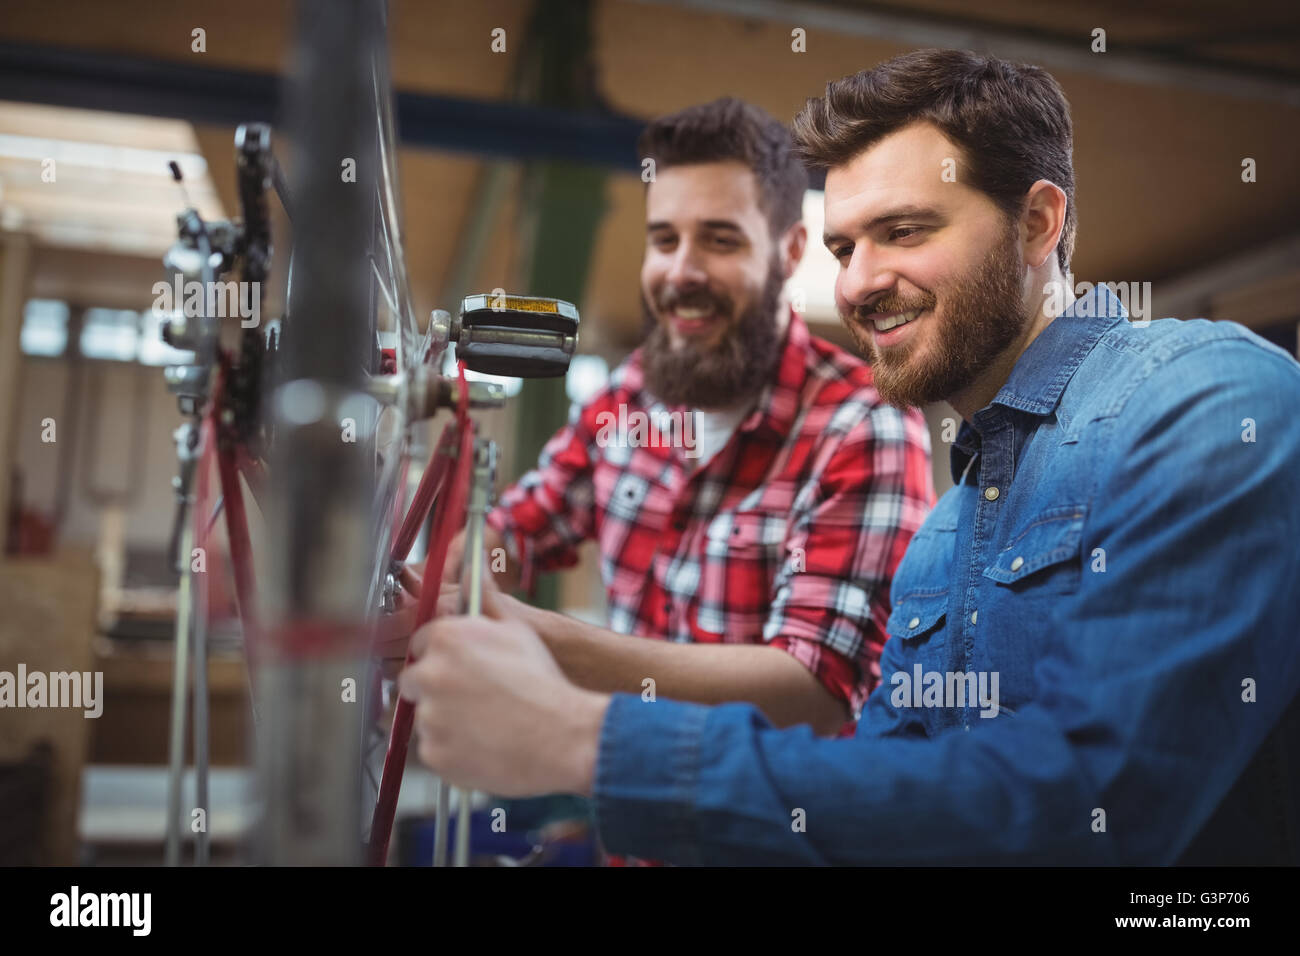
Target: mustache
[888, 306]
[671, 299]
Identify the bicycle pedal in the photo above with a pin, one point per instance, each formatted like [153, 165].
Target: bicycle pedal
[516, 335]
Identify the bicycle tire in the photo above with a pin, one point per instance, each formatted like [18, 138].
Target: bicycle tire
[330, 510]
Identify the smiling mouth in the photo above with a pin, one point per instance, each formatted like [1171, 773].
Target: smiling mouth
[694, 321]
[883, 323]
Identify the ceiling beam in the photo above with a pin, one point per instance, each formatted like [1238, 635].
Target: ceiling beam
[58, 76]
[1051, 51]
[1197, 291]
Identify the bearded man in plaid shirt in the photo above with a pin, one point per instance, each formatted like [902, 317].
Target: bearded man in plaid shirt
[750, 493]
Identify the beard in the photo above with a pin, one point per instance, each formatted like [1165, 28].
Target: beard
[737, 368]
[979, 318]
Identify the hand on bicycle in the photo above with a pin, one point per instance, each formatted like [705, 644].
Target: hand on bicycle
[395, 629]
[451, 600]
[493, 710]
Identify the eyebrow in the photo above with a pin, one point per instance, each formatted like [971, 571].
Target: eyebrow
[899, 213]
[707, 223]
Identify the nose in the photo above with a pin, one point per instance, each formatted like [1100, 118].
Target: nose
[686, 268]
[865, 280]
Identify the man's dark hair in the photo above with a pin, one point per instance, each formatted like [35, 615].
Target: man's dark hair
[1011, 121]
[731, 129]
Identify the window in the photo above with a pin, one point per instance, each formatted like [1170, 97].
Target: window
[110, 334]
[812, 287]
[118, 335]
[45, 327]
[587, 375]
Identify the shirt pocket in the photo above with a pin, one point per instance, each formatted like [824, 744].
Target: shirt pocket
[1043, 553]
[919, 590]
[743, 551]
[917, 615]
[757, 535]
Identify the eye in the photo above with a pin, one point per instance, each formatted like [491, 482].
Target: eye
[725, 242]
[903, 232]
[842, 253]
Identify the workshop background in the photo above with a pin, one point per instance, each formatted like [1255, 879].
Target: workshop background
[518, 171]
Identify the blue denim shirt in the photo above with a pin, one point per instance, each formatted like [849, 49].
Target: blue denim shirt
[1122, 554]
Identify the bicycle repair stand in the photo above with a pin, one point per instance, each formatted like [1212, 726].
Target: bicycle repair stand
[482, 482]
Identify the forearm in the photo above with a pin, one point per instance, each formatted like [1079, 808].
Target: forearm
[602, 660]
[715, 786]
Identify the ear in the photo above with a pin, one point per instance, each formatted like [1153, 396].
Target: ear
[793, 245]
[1042, 221]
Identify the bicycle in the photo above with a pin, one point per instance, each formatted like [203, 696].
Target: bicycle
[317, 419]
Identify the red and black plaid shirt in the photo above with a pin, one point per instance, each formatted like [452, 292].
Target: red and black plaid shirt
[788, 536]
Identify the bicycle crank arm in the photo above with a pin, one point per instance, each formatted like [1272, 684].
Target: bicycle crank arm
[423, 393]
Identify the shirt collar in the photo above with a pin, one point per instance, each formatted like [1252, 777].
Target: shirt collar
[1039, 377]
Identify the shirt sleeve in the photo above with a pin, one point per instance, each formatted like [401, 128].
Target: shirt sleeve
[1140, 712]
[548, 512]
[830, 600]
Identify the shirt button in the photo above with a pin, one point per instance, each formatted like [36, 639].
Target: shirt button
[991, 493]
[679, 525]
[973, 616]
[668, 607]
[913, 622]
[1017, 564]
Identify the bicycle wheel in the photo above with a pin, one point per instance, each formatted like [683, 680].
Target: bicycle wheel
[339, 455]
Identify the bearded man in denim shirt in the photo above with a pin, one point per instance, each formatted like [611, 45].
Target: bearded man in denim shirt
[1093, 652]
